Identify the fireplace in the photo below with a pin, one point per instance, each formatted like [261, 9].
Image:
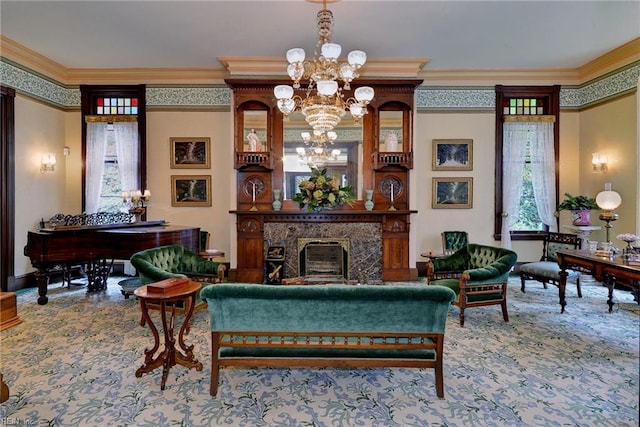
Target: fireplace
[323, 259]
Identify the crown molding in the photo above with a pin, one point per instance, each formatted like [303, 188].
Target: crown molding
[276, 67]
[448, 77]
[615, 59]
[270, 67]
[31, 59]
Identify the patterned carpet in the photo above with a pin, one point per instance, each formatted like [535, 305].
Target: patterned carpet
[72, 363]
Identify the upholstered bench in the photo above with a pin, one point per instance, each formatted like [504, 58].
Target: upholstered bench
[547, 270]
[327, 325]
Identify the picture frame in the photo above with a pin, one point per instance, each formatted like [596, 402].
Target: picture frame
[190, 190]
[452, 193]
[190, 153]
[452, 155]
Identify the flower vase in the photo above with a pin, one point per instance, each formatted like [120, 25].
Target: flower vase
[276, 204]
[368, 205]
[580, 217]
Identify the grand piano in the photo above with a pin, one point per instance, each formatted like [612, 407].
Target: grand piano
[96, 246]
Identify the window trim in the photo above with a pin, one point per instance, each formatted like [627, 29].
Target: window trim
[552, 95]
[89, 93]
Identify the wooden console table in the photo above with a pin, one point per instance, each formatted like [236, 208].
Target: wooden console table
[605, 270]
[171, 355]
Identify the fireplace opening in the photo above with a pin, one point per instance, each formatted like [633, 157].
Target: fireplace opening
[324, 260]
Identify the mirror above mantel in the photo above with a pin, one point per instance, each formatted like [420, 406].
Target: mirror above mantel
[342, 157]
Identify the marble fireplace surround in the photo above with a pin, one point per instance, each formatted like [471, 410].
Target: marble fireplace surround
[365, 245]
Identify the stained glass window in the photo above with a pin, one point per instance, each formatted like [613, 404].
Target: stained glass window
[524, 106]
[116, 106]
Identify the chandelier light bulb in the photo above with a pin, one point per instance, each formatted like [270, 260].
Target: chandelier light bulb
[327, 87]
[283, 92]
[286, 105]
[331, 135]
[295, 71]
[346, 72]
[357, 58]
[364, 94]
[296, 54]
[331, 51]
[306, 136]
[356, 110]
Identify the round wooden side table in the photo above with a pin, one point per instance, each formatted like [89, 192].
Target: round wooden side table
[170, 356]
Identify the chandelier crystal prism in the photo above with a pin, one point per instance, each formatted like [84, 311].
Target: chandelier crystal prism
[323, 105]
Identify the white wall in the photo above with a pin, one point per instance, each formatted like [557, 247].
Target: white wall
[39, 129]
[161, 126]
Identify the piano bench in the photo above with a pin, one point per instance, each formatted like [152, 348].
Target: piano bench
[129, 285]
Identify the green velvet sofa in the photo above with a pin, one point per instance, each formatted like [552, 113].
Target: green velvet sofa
[327, 325]
[478, 274]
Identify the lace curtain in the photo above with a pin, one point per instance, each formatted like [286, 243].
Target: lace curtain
[543, 174]
[127, 147]
[96, 149]
[126, 138]
[516, 135]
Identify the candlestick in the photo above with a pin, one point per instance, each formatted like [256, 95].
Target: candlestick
[253, 193]
[391, 192]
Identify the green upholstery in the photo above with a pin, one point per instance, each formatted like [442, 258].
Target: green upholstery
[327, 325]
[453, 240]
[547, 269]
[165, 262]
[249, 307]
[478, 274]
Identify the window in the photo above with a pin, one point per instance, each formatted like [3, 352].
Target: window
[113, 145]
[526, 174]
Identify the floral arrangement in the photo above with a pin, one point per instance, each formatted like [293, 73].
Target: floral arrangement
[321, 192]
[627, 237]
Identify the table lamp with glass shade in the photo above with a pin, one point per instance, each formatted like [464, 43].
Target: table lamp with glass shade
[608, 200]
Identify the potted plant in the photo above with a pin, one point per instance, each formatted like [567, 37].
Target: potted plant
[580, 206]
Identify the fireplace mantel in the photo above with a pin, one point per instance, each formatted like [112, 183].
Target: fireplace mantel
[338, 215]
[394, 226]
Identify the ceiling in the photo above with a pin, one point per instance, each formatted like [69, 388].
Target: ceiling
[194, 34]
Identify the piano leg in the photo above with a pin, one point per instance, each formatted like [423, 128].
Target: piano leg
[42, 278]
[97, 274]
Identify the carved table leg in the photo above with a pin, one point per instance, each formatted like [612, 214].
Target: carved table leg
[187, 359]
[609, 281]
[562, 287]
[149, 363]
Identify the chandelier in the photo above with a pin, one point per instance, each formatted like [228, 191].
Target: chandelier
[317, 153]
[323, 104]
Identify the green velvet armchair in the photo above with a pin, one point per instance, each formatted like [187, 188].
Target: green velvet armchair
[453, 240]
[169, 261]
[478, 275]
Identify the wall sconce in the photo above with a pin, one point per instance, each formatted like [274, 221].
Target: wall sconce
[608, 201]
[599, 162]
[48, 163]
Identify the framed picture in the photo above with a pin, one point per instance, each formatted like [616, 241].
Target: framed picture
[452, 193]
[190, 190]
[452, 155]
[190, 153]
